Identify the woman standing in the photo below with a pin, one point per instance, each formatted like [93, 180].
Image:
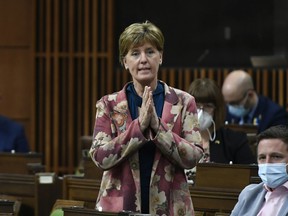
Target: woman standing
[145, 135]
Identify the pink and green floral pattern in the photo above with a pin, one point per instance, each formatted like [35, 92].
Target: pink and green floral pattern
[117, 139]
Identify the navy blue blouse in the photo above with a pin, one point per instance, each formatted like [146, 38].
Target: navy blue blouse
[147, 152]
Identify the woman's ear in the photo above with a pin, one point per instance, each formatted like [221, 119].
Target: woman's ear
[125, 64]
[161, 58]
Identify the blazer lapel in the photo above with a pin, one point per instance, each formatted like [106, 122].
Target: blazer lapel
[171, 111]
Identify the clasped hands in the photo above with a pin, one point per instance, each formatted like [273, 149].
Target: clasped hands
[147, 113]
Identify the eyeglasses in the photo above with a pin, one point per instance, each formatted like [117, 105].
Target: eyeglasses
[238, 102]
[208, 107]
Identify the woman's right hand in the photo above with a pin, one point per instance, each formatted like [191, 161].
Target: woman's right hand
[145, 109]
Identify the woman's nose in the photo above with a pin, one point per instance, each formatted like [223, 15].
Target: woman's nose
[143, 57]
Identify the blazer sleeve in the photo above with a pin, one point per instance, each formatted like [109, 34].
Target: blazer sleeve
[179, 141]
[250, 200]
[112, 140]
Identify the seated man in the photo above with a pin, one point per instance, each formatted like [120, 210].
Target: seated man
[245, 106]
[12, 136]
[270, 197]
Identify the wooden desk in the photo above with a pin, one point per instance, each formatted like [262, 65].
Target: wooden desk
[82, 189]
[216, 189]
[90, 169]
[21, 186]
[21, 163]
[234, 176]
[211, 200]
[36, 194]
[217, 186]
[84, 211]
[76, 211]
[86, 165]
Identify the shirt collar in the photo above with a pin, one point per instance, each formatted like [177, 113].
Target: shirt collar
[283, 185]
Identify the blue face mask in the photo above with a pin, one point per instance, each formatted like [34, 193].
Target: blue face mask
[238, 110]
[273, 174]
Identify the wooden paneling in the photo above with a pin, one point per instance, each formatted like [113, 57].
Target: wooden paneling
[15, 83]
[15, 23]
[73, 66]
[16, 76]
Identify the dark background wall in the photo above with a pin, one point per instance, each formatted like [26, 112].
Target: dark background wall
[204, 33]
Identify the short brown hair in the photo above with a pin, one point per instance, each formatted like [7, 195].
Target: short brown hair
[207, 91]
[274, 132]
[138, 33]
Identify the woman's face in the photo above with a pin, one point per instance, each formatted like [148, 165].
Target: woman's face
[143, 63]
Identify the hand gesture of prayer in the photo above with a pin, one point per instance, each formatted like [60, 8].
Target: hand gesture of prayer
[147, 113]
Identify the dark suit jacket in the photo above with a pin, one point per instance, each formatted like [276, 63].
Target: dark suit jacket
[230, 145]
[267, 114]
[12, 136]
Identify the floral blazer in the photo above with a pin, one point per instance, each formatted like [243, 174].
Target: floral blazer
[117, 139]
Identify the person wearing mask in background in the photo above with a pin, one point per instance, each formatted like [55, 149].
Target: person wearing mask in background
[221, 144]
[12, 136]
[245, 106]
[146, 134]
[270, 197]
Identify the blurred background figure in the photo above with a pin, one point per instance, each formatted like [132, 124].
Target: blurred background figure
[245, 106]
[12, 136]
[221, 145]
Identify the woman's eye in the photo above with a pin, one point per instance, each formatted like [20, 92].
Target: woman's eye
[150, 52]
[135, 53]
